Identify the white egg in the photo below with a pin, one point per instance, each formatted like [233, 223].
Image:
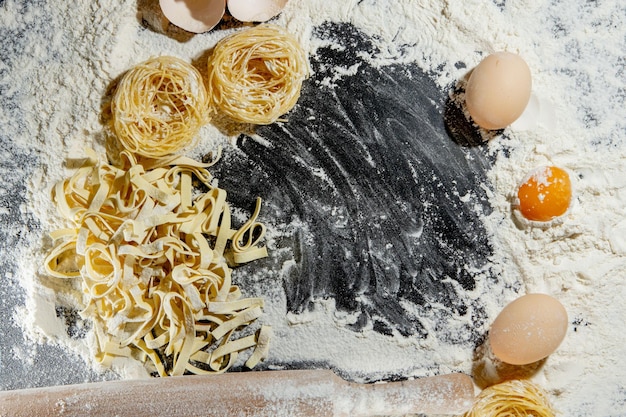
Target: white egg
[255, 10]
[195, 16]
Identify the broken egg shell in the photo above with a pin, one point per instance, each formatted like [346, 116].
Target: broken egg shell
[195, 16]
[255, 10]
[528, 329]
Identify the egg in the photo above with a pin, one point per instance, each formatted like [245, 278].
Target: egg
[255, 10]
[528, 329]
[498, 90]
[545, 194]
[195, 16]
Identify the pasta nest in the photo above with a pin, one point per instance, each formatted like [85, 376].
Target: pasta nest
[255, 76]
[159, 107]
[515, 398]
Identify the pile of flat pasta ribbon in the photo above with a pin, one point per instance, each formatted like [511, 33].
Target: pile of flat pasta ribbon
[154, 257]
[515, 398]
[255, 75]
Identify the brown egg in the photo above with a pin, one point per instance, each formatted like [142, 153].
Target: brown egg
[498, 90]
[528, 329]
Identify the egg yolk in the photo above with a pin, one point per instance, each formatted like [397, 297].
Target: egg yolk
[546, 194]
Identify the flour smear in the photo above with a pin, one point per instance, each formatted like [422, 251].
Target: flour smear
[58, 60]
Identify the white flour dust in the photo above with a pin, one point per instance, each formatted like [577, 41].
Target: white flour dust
[58, 60]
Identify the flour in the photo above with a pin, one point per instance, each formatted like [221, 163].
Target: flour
[62, 59]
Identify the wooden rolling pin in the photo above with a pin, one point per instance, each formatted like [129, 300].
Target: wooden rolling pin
[259, 394]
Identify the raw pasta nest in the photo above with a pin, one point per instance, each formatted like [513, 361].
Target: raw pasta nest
[255, 76]
[159, 107]
[516, 398]
[154, 257]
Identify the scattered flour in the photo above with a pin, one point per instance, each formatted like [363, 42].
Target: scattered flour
[64, 57]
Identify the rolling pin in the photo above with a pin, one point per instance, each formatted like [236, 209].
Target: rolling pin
[260, 394]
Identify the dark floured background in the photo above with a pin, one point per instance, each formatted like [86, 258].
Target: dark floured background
[389, 197]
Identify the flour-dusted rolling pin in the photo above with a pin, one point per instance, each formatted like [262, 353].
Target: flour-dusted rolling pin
[259, 394]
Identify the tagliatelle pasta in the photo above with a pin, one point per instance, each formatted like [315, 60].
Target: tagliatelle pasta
[515, 398]
[154, 258]
[255, 75]
[159, 107]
